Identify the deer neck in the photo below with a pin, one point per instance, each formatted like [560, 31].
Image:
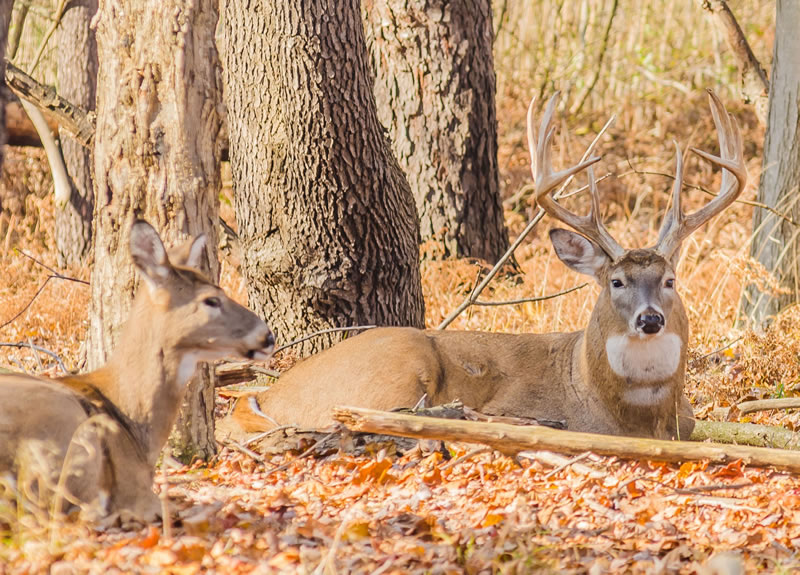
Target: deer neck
[145, 377]
[634, 373]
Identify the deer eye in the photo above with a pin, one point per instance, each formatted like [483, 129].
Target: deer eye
[212, 302]
[617, 283]
[670, 283]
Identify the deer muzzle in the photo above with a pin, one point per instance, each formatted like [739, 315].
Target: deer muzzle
[650, 322]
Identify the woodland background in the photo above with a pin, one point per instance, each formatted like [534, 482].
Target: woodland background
[649, 64]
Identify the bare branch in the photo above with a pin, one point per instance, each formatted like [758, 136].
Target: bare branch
[37, 348]
[598, 67]
[323, 332]
[755, 85]
[531, 299]
[54, 275]
[752, 203]
[62, 5]
[76, 120]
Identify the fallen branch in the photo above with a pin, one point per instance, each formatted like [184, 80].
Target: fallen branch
[512, 439]
[746, 434]
[72, 118]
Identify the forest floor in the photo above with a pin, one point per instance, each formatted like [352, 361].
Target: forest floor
[385, 512]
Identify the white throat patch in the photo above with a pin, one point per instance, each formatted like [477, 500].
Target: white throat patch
[646, 395]
[187, 367]
[644, 359]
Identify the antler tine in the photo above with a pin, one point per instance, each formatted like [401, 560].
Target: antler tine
[673, 219]
[678, 226]
[546, 180]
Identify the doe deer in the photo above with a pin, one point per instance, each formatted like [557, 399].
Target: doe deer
[93, 440]
[623, 374]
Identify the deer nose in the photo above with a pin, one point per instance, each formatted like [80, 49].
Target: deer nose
[650, 322]
[269, 341]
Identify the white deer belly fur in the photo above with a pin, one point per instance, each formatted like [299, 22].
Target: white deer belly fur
[644, 360]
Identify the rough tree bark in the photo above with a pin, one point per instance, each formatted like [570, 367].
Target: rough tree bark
[77, 77]
[435, 91]
[156, 157]
[326, 219]
[776, 243]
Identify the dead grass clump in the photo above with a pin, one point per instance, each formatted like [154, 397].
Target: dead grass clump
[771, 360]
[56, 317]
[24, 172]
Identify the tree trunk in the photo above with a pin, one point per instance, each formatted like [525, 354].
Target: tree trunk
[77, 77]
[328, 229]
[435, 91]
[156, 157]
[776, 243]
[5, 19]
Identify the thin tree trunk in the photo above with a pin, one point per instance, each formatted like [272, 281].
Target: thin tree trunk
[5, 19]
[777, 243]
[157, 158]
[435, 91]
[77, 78]
[326, 219]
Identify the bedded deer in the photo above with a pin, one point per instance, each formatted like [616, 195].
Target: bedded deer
[623, 374]
[92, 440]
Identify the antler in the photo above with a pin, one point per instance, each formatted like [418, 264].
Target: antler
[678, 226]
[546, 181]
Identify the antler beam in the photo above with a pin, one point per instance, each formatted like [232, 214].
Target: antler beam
[546, 181]
[678, 226]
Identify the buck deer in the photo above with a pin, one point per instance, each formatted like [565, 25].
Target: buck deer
[93, 439]
[623, 374]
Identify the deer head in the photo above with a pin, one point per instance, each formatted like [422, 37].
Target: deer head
[638, 286]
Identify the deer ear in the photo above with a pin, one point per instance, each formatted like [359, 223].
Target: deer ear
[196, 251]
[148, 254]
[578, 253]
[675, 258]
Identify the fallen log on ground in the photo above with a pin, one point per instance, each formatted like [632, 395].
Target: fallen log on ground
[511, 439]
[746, 434]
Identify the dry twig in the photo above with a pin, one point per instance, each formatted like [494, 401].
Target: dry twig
[530, 299]
[323, 332]
[37, 348]
[509, 252]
